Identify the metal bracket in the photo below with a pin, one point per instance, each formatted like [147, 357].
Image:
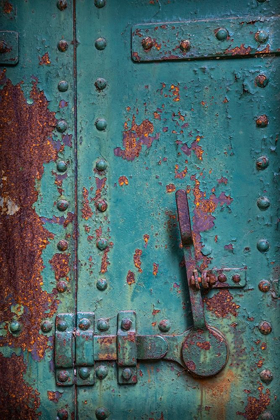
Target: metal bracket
[126, 348]
[8, 48]
[84, 348]
[64, 349]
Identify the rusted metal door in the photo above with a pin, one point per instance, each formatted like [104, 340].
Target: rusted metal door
[139, 209]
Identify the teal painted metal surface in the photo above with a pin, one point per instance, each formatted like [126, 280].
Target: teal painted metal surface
[99, 144]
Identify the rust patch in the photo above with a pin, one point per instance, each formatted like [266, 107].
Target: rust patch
[100, 184]
[222, 304]
[54, 396]
[134, 138]
[26, 141]
[60, 265]
[44, 60]
[18, 400]
[194, 147]
[146, 239]
[8, 7]
[170, 188]
[256, 406]
[86, 210]
[130, 278]
[123, 180]
[203, 345]
[181, 174]
[105, 261]
[137, 259]
[242, 50]
[155, 269]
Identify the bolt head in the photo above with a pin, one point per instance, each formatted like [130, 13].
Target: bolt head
[126, 324]
[63, 376]
[46, 326]
[102, 413]
[101, 165]
[263, 245]
[262, 163]
[102, 244]
[15, 327]
[102, 324]
[84, 373]
[62, 245]
[222, 278]
[84, 324]
[61, 4]
[100, 83]
[236, 278]
[61, 126]
[101, 372]
[261, 36]
[99, 3]
[101, 284]
[185, 45]
[261, 80]
[164, 325]
[62, 205]
[264, 286]
[62, 414]
[61, 325]
[100, 43]
[101, 124]
[62, 86]
[61, 166]
[147, 43]
[61, 286]
[62, 45]
[266, 376]
[262, 121]
[126, 374]
[263, 203]
[265, 327]
[102, 205]
[221, 34]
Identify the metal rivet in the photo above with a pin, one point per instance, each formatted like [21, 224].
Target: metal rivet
[84, 324]
[46, 326]
[62, 86]
[101, 284]
[102, 244]
[164, 325]
[101, 165]
[222, 278]
[236, 278]
[101, 372]
[61, 126]
[147, 43]
[264, 286]
[61, 286]
[15, 327]
[261, 36]
[262, 162]
[100, 43]
[102, 205]
[185, 45]
[102, 324]
[99, 3]
[62, 4]
[126, 373]
[84, 372]
[262, 121]
[62, 245]
[61, 325]
[266, 376]
[265, 327]
[62, 205]
[221, 34]
[62, 414]
[100, 83]
[126, 324]
[63, 376]
[61, 166]
[263, 245]
[102, 413]
[261, 80]
[62, 45]
[101, 124]
[267, 415]
[263, 203]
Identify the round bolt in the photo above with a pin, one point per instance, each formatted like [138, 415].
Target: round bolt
[266, 376]
[101, 372]
[46, 326]
[62, 45]
[222, 278]
[263, 203]
[164, 325]
[147, 43]
[102, 244]
[185, 45]
[261, 80]
[102, 413]
[267, 415]
[62, 245]
[62, 4]
[84, 324]
[261, 36]
[101, 284]
[100, 43]
[61, 286]
[265, 327]
[101, 124]
[236, 278]
[126, 374]
[102, 324]
[84, 373]
[221, 34]
[126, 324]
[62, 205]
[62, 86]
[262, 121]
[61, 325]
[102, 205]
[100, 83]
[263, 245]
[15, 327]
[61, 126]
[61, 166]
[262, 163]
[264, 286]
[62, 414]
[63, 376]
[99, 3]
[101, 165]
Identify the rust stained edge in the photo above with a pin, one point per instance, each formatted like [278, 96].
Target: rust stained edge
[256, 406]
[17, 399]
[26, 142]
[222, 304]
